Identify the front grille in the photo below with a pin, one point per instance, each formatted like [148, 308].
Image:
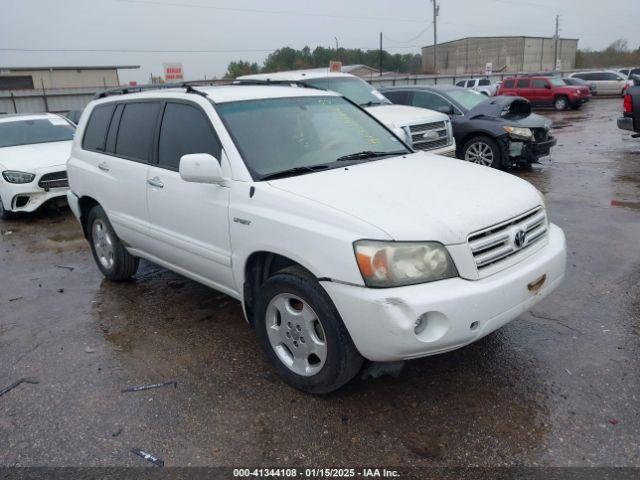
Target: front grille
[497, 243]
[54, 180]
[540, 134]
[437, 136]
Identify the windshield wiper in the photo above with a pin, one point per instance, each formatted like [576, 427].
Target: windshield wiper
[365, 154]
[290, 172]
[371, 103]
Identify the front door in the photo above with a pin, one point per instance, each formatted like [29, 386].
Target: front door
[189, 222]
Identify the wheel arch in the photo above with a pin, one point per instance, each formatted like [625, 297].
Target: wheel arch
[86, 203]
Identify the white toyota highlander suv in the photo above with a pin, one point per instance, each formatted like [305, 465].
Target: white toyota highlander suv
[340, 242]
[422, 129]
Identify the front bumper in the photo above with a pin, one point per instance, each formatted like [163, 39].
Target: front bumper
[457, 311]
[28, 197]
[448, 151]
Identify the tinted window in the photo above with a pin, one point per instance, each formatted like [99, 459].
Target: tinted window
[484, 82]
[429, 100]
[509, 83]
[522, 83]
[40, 130]
[135, 134]
[185, 130]
[539, 83]
[96, 131]
[396, 96]
[612, 76]
[461, 84]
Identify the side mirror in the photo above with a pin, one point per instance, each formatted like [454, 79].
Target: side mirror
[547, 86]
[446, 109]
[200, 168]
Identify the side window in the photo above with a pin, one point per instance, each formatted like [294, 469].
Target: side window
[95, 133]
[135, 133]
[522, 83]
[611, 76]
[509, 83]
[113, 129]
[185, 129]
[539, 83]
[484, 82]
[429, 100]
[396, 96]
[461, 84]
[471, 83]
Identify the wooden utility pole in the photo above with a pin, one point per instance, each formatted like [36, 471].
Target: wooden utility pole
[557, 39]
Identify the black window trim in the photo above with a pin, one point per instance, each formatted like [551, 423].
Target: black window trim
[156, 151]
[84, 134]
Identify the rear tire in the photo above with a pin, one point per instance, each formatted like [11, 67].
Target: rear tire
[561, 103]
[109, 253]
[483, 151]
[302, 334]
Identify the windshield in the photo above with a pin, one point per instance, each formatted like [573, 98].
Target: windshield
[279, 134]
[42, 130]
[356, 90]
[467, 98]
[558, 82]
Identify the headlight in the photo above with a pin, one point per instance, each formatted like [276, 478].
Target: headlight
[519, 133]
[394, 264]
[18, 177]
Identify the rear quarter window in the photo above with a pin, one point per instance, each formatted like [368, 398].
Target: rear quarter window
[510, 83]
[523, 83]
[95, 133]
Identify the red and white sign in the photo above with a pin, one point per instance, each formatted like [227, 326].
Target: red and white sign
[335, 66]
[173, 72]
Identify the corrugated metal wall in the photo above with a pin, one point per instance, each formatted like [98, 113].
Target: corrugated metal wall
[57, 100]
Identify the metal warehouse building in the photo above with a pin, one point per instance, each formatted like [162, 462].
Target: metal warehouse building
[506, 54]
[29, 78]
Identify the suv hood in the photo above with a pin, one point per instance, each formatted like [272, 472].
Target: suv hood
[402, 115]
[30, 158]
[419, 196]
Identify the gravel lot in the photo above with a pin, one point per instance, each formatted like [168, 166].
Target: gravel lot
[558, 386]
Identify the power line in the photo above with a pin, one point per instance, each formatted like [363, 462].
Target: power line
[411, 39]
[269, 12]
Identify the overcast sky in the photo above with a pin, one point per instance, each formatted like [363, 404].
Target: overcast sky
[206, 34]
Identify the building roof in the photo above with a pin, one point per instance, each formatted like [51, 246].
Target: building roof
[91, 67]
[498, 37]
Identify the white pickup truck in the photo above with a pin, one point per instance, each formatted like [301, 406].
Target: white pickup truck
[341, 243]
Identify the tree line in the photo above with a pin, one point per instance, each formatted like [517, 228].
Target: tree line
[618, 54]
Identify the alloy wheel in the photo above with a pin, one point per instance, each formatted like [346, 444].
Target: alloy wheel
[103, 244]
[479, 153]
[296, 334]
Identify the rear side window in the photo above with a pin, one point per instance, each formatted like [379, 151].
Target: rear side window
[397, 96]
[95, 134]
[522, 83]
[483, 82]
[461, 84]
[539, 83]
[509, 83]
[135, 133]
[185, 130]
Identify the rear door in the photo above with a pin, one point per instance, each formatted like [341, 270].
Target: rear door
[523, 88]
[189, 221]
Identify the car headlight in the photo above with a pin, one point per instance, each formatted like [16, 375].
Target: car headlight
[519, 133]
[18, 177]
[394, 264]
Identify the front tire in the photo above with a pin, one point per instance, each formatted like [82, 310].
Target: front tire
[483, 151]
[302, 333]
[109, 253]
[5, 214]
[561, 103]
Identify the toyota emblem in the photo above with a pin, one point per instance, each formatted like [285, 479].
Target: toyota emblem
[519, 238]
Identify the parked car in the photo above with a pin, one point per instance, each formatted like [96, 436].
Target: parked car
[544, 92]
[628, 71]
[497, 132]
[630, 119]
[421, 129]
[74, 116]
[591, 88]
[482, 85]
[340, 242]
[607, 82]
[33, 153]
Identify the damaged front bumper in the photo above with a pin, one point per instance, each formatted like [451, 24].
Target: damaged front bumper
[525, 153]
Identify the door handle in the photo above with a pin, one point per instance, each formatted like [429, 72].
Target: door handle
[104, 167]
[155, 182]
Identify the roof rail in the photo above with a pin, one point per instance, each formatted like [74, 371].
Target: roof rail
[188, 86]
[276, 83]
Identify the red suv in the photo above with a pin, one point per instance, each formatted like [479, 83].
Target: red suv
[545, 92]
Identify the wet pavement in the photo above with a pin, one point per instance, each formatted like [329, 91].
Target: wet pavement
[558, 386]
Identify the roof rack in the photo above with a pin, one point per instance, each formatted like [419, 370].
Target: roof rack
[276, 83]
[188, 86]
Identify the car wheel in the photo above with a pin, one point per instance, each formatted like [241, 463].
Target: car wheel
[561, 103]
[483, 151]
[302, 333]
[109, 253]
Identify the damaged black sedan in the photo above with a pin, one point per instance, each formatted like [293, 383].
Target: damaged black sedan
[499, 132]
